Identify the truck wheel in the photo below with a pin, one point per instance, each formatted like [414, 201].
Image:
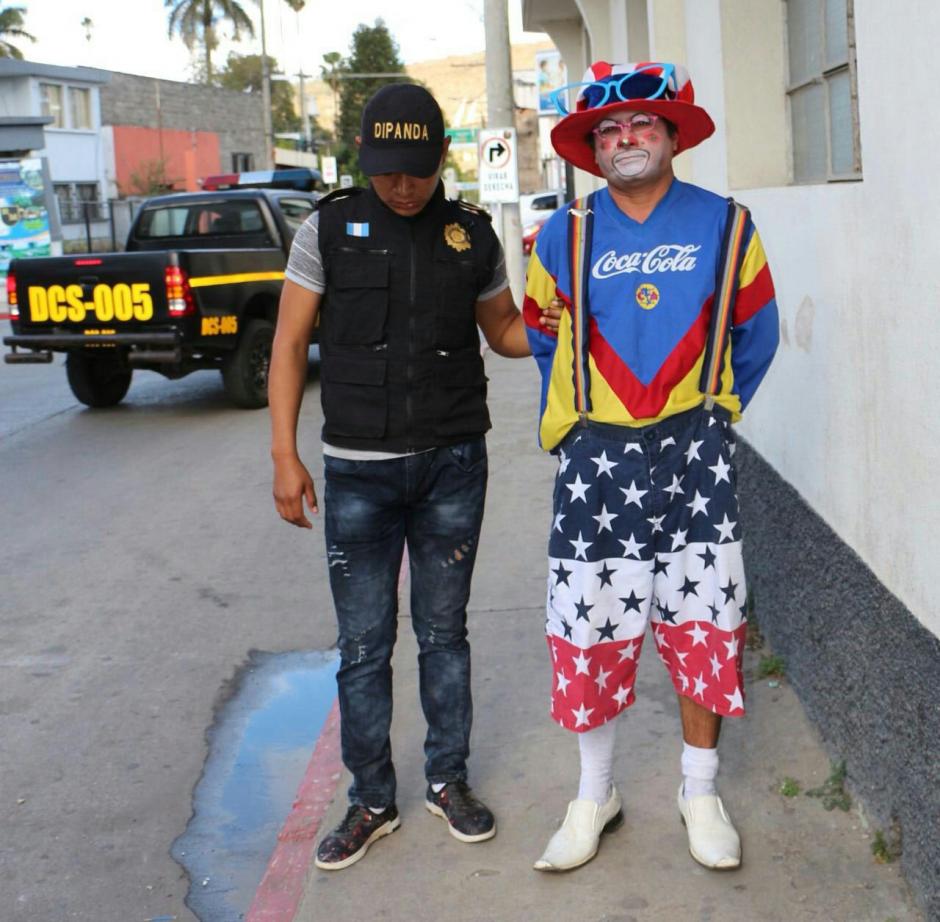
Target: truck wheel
[96, 382]
[245, 371]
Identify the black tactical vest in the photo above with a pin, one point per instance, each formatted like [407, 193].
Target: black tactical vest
[401, 368]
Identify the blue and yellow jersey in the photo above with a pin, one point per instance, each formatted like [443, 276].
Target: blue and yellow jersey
[651, 291]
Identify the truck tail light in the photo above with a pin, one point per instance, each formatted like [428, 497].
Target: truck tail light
[12, 302]
[178, 294]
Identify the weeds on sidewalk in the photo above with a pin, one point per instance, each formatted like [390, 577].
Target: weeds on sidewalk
[887, 848]
[789, 787]
[832, 791]
[771, 667]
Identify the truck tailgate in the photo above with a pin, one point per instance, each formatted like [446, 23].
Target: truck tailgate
[117, 291]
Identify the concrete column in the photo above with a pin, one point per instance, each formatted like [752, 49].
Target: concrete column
[500, 113]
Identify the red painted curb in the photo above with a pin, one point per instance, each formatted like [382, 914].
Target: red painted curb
[280, 891]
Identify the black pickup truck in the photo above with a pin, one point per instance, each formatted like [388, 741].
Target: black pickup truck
[197, 287]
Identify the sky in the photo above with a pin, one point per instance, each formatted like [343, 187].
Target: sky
[131, 35]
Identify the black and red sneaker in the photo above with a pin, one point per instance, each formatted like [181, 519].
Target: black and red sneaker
[351, 839]
[469, 819]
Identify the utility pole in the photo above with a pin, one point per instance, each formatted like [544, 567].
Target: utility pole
[500, 113]
[266, 97]
[305, 122]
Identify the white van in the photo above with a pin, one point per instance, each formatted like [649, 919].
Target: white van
[538, 206]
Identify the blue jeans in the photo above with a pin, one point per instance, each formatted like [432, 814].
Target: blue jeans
[434, 500]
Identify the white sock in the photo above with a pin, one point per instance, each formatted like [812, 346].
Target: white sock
[699, 770]
[597, 762]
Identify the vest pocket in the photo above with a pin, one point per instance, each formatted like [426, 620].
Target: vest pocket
[357, 296]
[354, 396]
[460, 396]
[455, 318]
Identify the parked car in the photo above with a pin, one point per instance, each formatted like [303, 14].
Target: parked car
[529, 233]
[538, 206]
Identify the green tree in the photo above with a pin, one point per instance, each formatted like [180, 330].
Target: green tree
[197, 23]
[11, 25]
[372, 51]
[243, 73]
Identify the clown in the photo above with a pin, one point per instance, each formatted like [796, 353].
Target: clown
[646, 531]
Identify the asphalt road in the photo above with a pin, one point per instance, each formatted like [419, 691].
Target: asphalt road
[142, 560]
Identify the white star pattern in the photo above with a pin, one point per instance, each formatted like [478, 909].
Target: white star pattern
[559, 518]
[732, 647]
[681, 655]
[684, 679]
[581, 664]
[632, 495]
[716, 665]
[725, 529]
[699, 504]
[666, 442]
[697, 634]
[621, 695]
[632, 446]
[735, 701]
[578, 489]
[700, 686]
[720, 469]
[692, 453]
[604, 519]
[631, 547]
[628, 652]
[581, 715]
[565, 461]
[580, 547]
[678, 538]
[604, 466]
[601, 678]
[563, 682]
[657, 522]
[674, 487]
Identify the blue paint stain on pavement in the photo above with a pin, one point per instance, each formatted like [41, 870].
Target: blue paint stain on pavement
[259, 748]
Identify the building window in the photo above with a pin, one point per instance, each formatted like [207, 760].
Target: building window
[51, 94]
[78, 200]
[823, 91]
[243, 163]
[80, 108]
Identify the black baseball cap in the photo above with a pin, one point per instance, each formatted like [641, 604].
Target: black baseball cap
[402, 132]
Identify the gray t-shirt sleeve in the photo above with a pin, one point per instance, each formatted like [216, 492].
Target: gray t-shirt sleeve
[499, 280]
[304, 265]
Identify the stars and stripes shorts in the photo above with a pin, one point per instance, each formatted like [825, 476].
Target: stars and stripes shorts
[645, 531]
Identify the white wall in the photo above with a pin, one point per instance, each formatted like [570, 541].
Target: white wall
[849, 414]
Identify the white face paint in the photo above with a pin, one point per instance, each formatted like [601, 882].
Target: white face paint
[635, 161]
[630, 163]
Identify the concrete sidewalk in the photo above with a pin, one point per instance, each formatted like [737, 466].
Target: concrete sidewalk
[800, 861]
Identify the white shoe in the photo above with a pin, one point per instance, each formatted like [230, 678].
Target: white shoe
[577, 838]
[713, 840]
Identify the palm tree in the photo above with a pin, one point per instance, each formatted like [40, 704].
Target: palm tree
[195, 20]
[11, 24]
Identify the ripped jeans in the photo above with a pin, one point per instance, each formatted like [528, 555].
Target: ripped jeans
[434, 500]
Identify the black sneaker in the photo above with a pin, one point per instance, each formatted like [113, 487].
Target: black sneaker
[351, 839]
[469, 819]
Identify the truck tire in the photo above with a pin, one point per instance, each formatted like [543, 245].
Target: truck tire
[245, 371]
[96, 382]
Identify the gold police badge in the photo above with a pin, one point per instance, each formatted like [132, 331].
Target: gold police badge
[456, 237]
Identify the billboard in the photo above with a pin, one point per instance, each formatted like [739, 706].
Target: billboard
[24, 218]
[550, 74]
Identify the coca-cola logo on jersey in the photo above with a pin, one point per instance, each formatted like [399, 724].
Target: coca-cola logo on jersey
[669, 257]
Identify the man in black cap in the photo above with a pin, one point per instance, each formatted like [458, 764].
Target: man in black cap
[399, 278]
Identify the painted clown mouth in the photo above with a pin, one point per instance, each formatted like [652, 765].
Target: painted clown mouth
[630, 163]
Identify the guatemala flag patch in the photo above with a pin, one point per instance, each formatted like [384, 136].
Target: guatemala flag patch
[357, 230]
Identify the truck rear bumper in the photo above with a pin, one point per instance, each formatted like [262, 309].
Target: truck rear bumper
[143, 347]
